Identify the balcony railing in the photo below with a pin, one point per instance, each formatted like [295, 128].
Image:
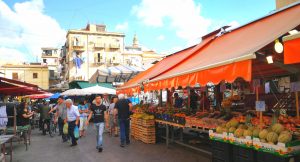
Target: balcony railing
[114, 46]
[79, 46]
[99, 45]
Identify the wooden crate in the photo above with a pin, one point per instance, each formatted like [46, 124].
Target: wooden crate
[148, 123]
[149, 141]
[146, 129]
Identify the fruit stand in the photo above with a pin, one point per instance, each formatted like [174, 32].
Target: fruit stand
[254, 102]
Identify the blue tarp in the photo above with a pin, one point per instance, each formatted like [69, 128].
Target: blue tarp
[55, 96]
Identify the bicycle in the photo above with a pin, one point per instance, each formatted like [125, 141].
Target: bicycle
[52, 125]
[49, 125]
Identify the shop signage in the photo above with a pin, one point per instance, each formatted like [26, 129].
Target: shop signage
[260, 106]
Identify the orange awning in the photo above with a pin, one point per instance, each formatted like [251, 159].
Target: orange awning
[162, 66]
[292, 49]
[229, 56]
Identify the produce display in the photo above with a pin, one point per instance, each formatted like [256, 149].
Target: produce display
[275, 135]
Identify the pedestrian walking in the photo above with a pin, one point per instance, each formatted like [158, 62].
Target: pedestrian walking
[98, 110]
[72, 119]
[61, 114]
[123, 107]
[83, 108]
[112, 117]
[106, 103]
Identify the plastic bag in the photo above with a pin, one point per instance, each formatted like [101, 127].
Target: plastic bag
[76, 132]
[65, 129]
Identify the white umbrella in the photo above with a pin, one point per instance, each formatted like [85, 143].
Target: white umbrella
[75, 92]
[100, 90]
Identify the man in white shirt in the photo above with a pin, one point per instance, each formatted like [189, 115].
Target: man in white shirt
[72, 119]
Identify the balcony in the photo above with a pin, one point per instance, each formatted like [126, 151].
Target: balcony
[99, 46]
[78, 46]
[114, 46]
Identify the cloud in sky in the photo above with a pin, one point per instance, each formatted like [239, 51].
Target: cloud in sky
[161, 37]
[25, 29]
[184, 16]
[122, 26]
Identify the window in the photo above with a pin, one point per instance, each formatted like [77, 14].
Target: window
[47, 52]
[99, 57]
[51, 73]
[35, 75]
[15, 76]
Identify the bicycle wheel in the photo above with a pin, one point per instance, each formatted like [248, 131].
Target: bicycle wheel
[51, 130]
[44, 128]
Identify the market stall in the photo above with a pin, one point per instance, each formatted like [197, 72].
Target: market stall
[252, 94]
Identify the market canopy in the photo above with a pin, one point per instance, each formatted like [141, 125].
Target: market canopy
[120, 73]
[54, 96]
[100, 90]
[75, 92]
[39, 96]
[18, 88]
[85, 84]
[230, 55]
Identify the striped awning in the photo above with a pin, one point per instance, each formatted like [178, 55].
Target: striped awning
[120, 73]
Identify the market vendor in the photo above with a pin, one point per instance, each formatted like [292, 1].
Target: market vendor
[204, 102]
[24, 114]
[193, 100]
[178, 101]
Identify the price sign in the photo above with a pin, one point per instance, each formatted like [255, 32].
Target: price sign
[260, 106]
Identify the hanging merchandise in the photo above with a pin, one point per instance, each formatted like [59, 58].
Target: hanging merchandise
[284, 84]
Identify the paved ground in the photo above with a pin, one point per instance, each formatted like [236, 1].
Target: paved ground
[47, 149]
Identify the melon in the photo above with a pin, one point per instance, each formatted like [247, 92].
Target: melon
[219, 130]
[239, 132]
[251, 128]
[263, 140]
[284, 132]
[247, 133]
[284, 137]
[263, 134]
[234, 123]
[277, 128]
[228, 125]
[255, 132]
[232, 130]
[272, 137]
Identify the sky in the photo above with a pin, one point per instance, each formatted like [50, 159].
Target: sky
[165, 26]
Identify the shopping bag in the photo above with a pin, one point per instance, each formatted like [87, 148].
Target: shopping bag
[76, 132]
[65, 129]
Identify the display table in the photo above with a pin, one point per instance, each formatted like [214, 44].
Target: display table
[3, 140]
[170, 129]
[171, 125]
